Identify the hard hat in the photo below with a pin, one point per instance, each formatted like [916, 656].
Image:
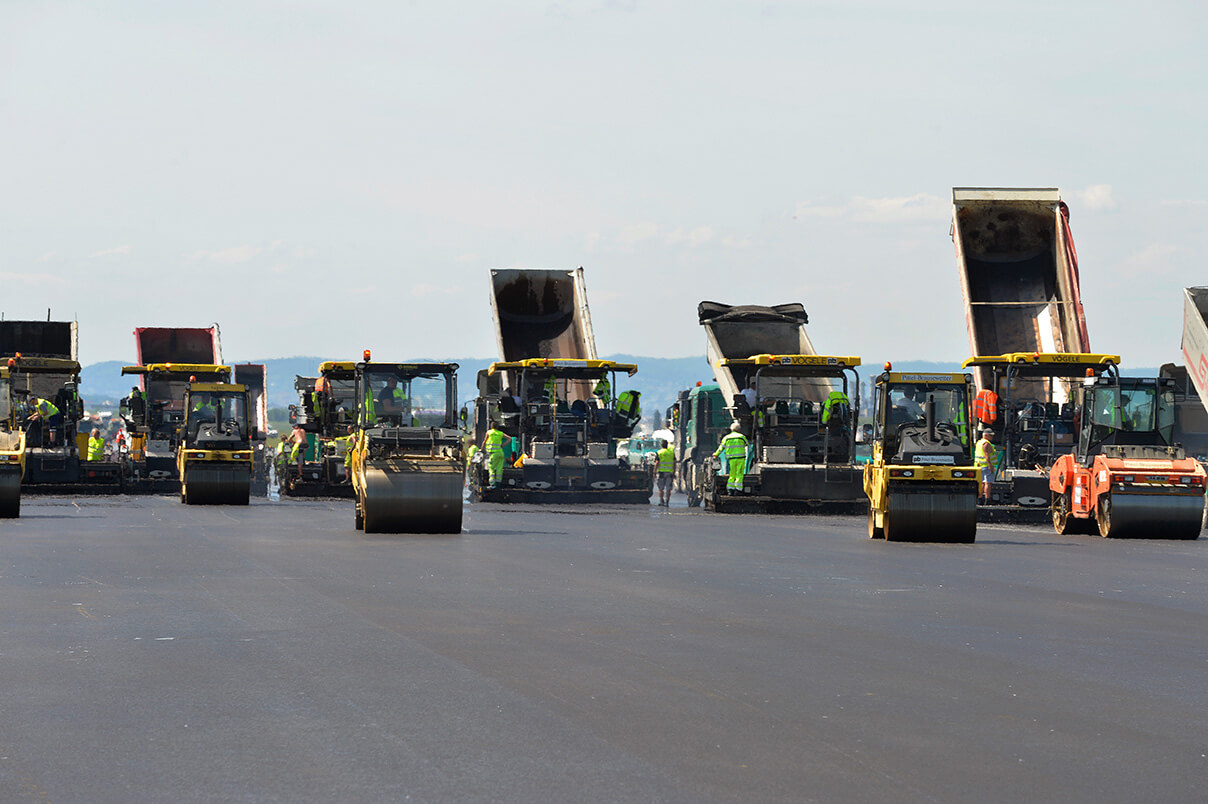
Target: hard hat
[735, 427]
[985, 431]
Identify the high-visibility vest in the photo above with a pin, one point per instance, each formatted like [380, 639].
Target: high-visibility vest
[96, 448]
[962, 424]
[985, 406]
[206, 406]
[666, 457]
[370, 408]
[835, 398]
[492, 444]
[551, 389]
[734, 446]
[984, 454]
[45, 408]
[603, 390]
[627, 405]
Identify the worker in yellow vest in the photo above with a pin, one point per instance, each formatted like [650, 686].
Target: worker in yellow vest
[492, 445]
[985, 458]
[733, 451]
[665, 470]
[96, 446]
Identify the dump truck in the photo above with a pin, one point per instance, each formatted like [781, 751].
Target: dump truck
[12, 451]
[408, 469]
[254, 377]
[327, 406]
[214, 454]
[699, 420]
[1018, 272]
[562, 423]
[1191, 406]
[1126, 476]
[921, 480]
[1030, 406]
[541, 313]
[42, 360]
[776, 387]
[154, 415]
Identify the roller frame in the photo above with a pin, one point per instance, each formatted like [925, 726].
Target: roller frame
[10, 492]
[1132, 515]
[918, 512]
[410, 496]
[216, 483]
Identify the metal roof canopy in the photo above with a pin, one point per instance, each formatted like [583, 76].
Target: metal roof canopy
[1046, 364]
[564, 367]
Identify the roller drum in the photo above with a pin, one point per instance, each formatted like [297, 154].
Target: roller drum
[10, 494]
[216, 484]
[411, 497]
[931, 515]
[1150, 516]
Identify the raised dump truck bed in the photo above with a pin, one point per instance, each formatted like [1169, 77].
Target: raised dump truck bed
[1018, 270]
[200, 345]
[540, 313]
[733, 332]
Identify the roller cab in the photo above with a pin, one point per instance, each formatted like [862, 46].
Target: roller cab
[801, 435]
[214, 457]
[406, 459]
[921, 481]
[12, 451]
[560, 421]
[1029, 403]
[1126, 477]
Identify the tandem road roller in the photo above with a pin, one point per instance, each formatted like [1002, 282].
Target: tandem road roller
[407, 464]
[921, 482]
[12, 451]
[1126, 477]
[214, 457]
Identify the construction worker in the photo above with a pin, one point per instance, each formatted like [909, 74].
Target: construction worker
[603, 391]
[838, 402]
[492, 445]
[392, 401]
[985, 458]
[551, 389]
[96, 446]
[45, 415]
[629, 407]
[204, 408]
[348, 445]
[733, 451]
[665, 469]
[300, 442]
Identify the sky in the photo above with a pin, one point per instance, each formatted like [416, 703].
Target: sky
[319, 178]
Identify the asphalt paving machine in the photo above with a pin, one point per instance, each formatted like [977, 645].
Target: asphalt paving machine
[562, 429]
[408, 469]
[1126, 477]
[12, 451]
[1028, 402]
[214, 455]
[921, 481]
[41, 357]
[327, 412]
[801, 454]
[154, 414]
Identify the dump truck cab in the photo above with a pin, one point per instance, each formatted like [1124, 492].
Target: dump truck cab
[699, 419]
[561, 419]
[406, 458]
[921, 481]
[1028, 400]
[214, 456]
[12, 450]
[798, 412]
[1126, 477]
[154, 415]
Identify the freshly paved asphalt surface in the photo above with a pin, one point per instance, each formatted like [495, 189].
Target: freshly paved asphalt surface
[151, 651]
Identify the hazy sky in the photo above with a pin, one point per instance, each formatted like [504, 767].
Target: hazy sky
[323, 177]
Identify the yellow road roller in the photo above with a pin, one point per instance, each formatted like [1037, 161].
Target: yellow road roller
[921, 481]
[214, 452]
[12, 451]
[406, 460]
